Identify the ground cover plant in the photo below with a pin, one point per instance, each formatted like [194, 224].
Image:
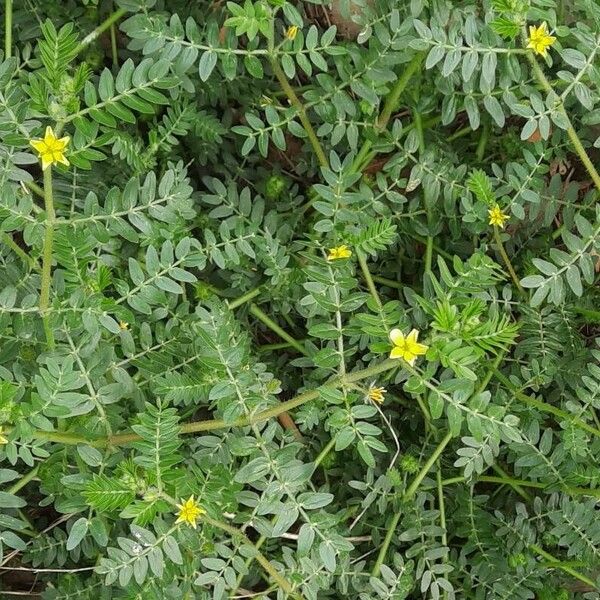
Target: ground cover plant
[300, 300]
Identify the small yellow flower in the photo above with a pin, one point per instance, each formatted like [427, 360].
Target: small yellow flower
[3, 439]
[339, 252]
[123, 326]
[51, 149]
[376, 394]
[189, 511]
[291, 32]
[497, 217]
[539, 39]
[406, 347]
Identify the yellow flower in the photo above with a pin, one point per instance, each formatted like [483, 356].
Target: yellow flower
[539, 39]
[189, 511]
[376, 394]
[291, 32]
[497, 217]
[51, 149]
[339, 252]
[406, 347]
[123, 326]
[3, 439]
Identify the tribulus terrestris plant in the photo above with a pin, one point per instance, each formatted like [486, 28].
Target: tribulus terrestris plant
[300, 299]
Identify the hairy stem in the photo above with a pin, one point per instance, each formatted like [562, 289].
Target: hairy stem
[28, 260]
[47, 257]
[113, 45]
[23, 481]
[8, 14]
[244, 298]
[364, 155]
[573, 137]
[518, 483]
[544, 406]
[362, 261]
[559, 565]
[442, 509]
[214, 424]
[394, 96]
[295, 101]
[93, 35]
[283, 583]
[324, 452]
[508, 262]
[282, 333]
[410, 492]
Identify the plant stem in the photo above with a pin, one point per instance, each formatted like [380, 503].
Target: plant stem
[407, 496]
[544, 407]
[244, 298]
[21, 483]
[394, 96]
[113, 45]
[93, 35]
[427, 466]
[47, 256]
[575, 140]
[483, 140]
[416, 482]
[505, 476]
[423, 240]
[588, 313]
[8, 14]
[507, 262]
[35, 188]
[389, 282]
[362, 261]
[295, 101]
[213, 424]
[28, 260]
[559, 565]
[442, 509]
[571, 491]
[260, 557]
[282, 333]
[324, 452]
[390, 104]
[386, 543]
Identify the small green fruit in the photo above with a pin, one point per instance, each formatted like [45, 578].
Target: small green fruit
[274, 187]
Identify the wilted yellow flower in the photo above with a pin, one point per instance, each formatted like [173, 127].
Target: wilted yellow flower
[291, 32]
[539, 39]
[339, 252]
[51, 149]
[123, 326]
[406, 347]
[376, 394]
[3, 439]
[189, 511]
[497, 217]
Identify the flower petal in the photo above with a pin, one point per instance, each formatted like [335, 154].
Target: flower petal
[397, 352]
[39, 145]
[397, 337]
[49, 136]
[418, 349]
[412, 337]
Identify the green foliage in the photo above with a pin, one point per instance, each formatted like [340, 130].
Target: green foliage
[196, 310]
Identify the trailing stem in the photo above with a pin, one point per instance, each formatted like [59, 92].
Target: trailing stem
[47, 257]
[573, 137]
[297, 104]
